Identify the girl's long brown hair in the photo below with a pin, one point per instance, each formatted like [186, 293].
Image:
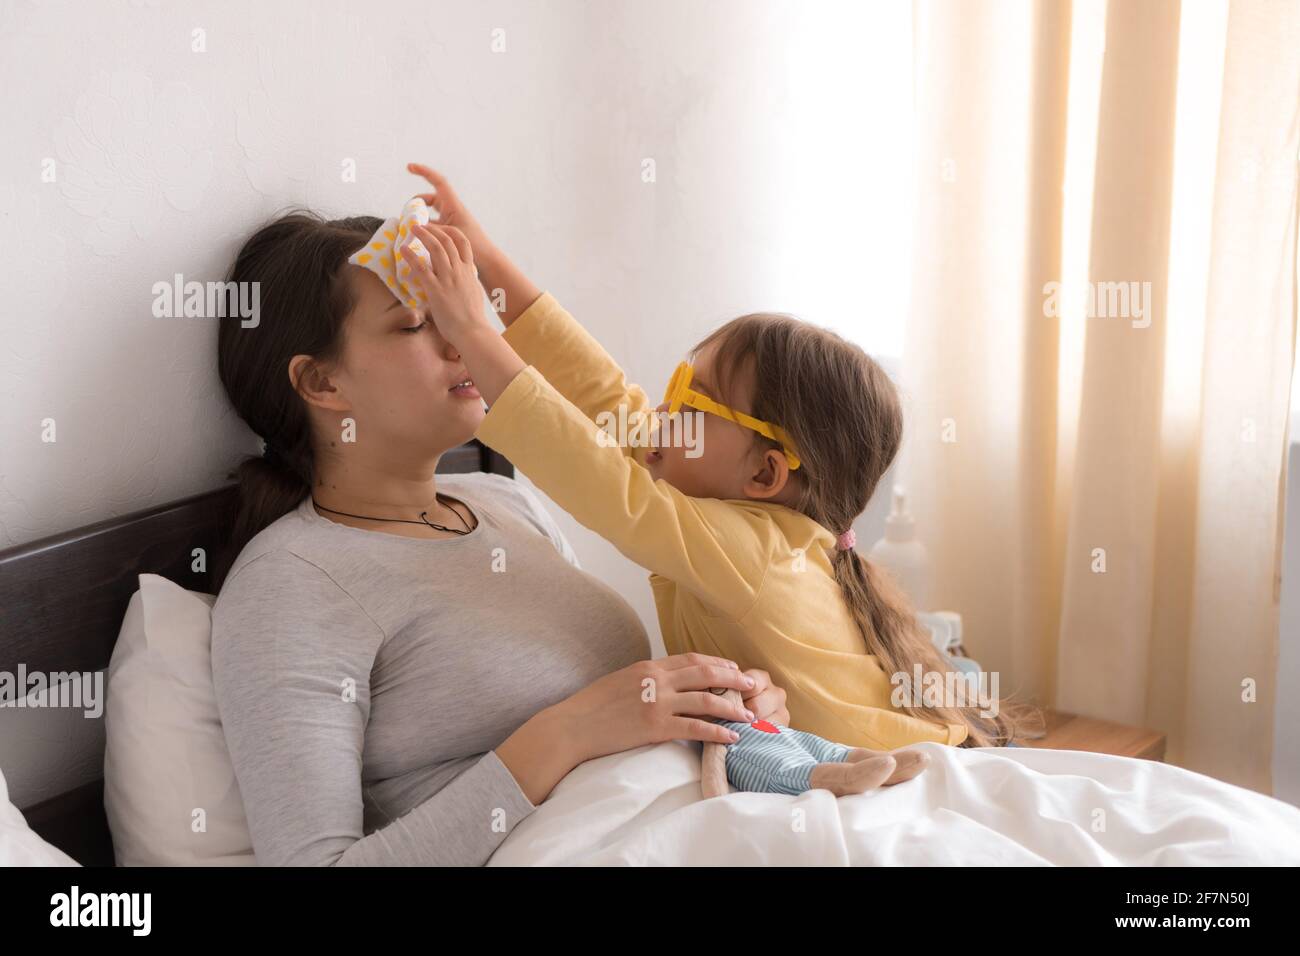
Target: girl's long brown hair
[844, 416]
[297, 260]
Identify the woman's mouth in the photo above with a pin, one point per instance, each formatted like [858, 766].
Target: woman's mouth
[465, 389]
[653, 456]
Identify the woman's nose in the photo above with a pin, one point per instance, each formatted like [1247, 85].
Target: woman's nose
[449, 351]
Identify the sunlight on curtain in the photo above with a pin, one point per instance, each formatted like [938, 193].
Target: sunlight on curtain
[1201, 46]
[1087, 50]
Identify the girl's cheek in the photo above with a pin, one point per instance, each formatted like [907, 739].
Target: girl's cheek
[695, 440]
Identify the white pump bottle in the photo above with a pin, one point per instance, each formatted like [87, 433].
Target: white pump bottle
[902, 555]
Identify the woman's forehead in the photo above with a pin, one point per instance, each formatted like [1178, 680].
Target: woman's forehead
[372, 297]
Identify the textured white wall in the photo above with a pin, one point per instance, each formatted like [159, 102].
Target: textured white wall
[779, 135]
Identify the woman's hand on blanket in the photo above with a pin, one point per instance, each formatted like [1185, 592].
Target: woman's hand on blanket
[646, 703]
[653, 701]
[765, 699]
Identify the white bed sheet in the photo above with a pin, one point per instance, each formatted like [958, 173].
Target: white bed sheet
[1002, 807]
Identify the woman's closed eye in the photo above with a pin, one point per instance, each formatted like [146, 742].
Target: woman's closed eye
[416, 328]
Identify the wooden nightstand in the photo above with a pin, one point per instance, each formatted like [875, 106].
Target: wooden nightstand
[1072, 732]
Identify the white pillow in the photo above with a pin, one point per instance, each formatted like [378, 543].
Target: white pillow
[169, 786]
[20, 845]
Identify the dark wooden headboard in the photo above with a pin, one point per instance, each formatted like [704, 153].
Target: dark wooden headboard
[62, 600]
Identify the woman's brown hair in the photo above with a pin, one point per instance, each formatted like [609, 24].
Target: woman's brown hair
[304, 298]
[845, 419]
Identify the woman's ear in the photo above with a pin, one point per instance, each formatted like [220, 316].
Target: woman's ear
[309, 379]
[771, 476]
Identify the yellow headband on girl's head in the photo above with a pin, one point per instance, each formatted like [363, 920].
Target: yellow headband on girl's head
[680, 393]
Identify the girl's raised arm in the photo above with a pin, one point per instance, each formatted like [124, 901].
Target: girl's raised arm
[538, 329]
[710, 547]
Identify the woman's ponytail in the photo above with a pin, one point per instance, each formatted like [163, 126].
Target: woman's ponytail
[270, 486]
[296, 263]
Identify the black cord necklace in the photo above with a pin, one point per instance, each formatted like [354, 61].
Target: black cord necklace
[423, 518]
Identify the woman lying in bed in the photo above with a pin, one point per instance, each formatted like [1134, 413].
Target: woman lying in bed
[405, 667]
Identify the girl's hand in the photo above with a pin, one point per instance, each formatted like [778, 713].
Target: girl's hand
[451, 211]
[449, 280]
[765, 699]
[451, 286]
[650, 702]
[510, 291]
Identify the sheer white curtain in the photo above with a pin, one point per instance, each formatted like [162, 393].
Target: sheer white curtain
[1100, 352]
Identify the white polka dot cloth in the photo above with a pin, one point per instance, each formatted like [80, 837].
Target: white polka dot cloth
[382, 256]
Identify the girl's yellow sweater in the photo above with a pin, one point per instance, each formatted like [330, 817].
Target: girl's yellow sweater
[746, 580]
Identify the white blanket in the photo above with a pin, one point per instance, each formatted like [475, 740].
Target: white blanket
[1001, 807]
[20, 845]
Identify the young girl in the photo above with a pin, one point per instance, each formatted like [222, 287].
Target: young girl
[749, 542]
